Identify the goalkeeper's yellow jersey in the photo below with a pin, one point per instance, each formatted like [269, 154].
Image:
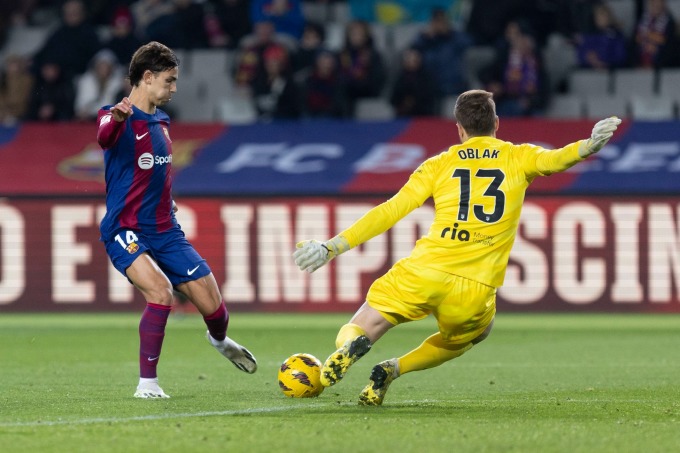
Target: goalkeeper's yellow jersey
[478, 190]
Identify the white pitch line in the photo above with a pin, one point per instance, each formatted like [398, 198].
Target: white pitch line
[266, 410]
[86, 421]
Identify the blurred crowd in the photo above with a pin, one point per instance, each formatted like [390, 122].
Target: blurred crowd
[283, 62]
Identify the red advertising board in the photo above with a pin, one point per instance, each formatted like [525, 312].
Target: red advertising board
[571, 254]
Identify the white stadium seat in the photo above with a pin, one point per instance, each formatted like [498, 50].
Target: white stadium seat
[586, 82]
[638, 81]
[652, 108]
[624, 11]
[598, 107]
[236, 109]
[565, 107]
[373, 109]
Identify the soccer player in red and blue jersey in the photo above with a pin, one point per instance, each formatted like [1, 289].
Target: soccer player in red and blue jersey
[142, 237]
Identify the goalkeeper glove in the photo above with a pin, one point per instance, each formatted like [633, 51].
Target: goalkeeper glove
[602, 132]
[312, 254]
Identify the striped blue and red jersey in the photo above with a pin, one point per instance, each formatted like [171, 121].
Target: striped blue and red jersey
[138, 162]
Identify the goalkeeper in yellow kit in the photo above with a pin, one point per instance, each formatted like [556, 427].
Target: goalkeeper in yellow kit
[452, 273]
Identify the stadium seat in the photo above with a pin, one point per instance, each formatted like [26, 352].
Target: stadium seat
[315, 12]
[565, 107]
[598, 107]
[335, 36]
[586, 82]
[669, 81]
[237, 109]
[624, 11]
[674, 7]
[560, 58]
[447, 106]
[191, 100]
[340, 12]
[638, 81]
[475, 59]
[209, 62]
[403, 35]
[381, 40]
[24, 41]
[652, 108]
[373, 109]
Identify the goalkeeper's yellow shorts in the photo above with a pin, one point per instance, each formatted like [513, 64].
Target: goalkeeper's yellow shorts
[463, 308]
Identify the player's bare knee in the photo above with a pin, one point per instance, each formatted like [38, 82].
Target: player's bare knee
[160, 294]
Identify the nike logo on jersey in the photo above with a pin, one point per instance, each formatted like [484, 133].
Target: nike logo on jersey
[139, 137]
[151, 359]
[191, 271]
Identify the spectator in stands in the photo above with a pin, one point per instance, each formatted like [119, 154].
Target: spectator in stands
[190, 25]
[655, 43]
[487, 17]
[309, 47]
[233, 18]
[361, 64]
[250, 62]
[516, 77]
[274, 93]
[286, 15]
[72, 44]
[123, 41]
[414, 92]
[7, 12]
[605, 47]
[101, 12]
[15, 12]
[576, 17]
[443, 50]
[154, 20]
[98, 86]
[54, 95]
[16, 83]
[323, 95]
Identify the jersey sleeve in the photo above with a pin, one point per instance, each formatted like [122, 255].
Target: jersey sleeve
[109, 130]
[384, 216]
[537, 161]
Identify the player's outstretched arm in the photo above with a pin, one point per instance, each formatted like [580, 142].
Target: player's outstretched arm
[122, 110]
[602, 132]
[310, 255]
[112, 123]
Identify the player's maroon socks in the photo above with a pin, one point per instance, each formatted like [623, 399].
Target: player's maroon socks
[151, 334]
[217, 322]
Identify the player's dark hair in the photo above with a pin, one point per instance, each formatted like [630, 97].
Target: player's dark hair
[154, 57]
[475, 111]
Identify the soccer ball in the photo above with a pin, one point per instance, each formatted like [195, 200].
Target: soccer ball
[299, 376]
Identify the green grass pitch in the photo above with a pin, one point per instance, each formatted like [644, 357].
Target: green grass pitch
[540, 383]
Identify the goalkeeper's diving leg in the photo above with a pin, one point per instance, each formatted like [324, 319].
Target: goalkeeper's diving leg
[354, 340]
[431, 353]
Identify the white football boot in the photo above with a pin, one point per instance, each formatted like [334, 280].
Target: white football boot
[149, 389]
[237, 354]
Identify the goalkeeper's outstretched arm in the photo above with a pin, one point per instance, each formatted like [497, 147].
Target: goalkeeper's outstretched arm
[310, 255]
[554, 161]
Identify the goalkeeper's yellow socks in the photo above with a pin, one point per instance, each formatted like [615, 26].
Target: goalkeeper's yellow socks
[348, 332]
[431, 353]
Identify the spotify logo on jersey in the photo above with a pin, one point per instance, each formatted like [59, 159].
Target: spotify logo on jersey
[145, 161]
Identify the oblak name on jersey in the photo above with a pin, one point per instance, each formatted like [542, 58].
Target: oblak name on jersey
[473, 153]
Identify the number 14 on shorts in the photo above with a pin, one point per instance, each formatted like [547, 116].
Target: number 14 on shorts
[130, 242]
